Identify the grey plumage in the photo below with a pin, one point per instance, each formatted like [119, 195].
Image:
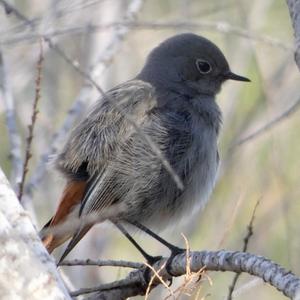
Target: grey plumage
[172, 101]
[131, 175]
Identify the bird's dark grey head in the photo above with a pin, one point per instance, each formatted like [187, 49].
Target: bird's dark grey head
[187, 64]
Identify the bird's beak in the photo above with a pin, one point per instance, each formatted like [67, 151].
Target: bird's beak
[232, 76]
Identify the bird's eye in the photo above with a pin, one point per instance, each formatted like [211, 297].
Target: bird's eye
[203, 66]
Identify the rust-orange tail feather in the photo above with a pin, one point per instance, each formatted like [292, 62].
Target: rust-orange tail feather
[71, 198]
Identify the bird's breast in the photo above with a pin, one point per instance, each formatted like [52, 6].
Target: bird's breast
[203, 171]
[206, 118]
[200, 165]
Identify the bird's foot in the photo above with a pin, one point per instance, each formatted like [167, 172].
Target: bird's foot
[174, 252]
[151, 260]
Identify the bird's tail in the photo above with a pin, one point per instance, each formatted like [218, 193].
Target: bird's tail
[70, 200]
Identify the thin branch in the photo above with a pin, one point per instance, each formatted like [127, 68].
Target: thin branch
[102, 263]
[136, 282]
[33, 121]
[13, 134]
[291, 110]
[250, 228]
[222, 27]
[74, 64]
[245, 248]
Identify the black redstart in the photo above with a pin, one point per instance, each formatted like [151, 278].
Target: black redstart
[116, 159]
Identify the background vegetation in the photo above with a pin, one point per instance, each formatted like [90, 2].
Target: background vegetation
[256, 37]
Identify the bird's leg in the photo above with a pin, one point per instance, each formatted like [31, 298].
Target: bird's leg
[149, 258]
[174, 249]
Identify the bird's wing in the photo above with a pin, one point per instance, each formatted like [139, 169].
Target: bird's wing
[93, 143]
[135, 177]
[95, 139]
[136, 172]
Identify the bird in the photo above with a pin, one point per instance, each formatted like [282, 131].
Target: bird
[146, 153]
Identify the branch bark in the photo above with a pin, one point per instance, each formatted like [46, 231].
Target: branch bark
[27, 270]
[136, 282]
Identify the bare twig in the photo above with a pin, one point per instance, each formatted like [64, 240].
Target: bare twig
[102, 263]
[245, 248]
[13, 134]
[136, 281]
[222, 27]
[33, 121]
[250, 227]
[291, 110]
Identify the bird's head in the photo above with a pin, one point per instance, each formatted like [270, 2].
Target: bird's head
[188, 64]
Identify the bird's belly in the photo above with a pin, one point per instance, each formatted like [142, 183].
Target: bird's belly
[196, 192]
[201, 184]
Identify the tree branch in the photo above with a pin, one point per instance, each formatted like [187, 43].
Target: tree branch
[102, 263]
[136, 282]
[25, 263]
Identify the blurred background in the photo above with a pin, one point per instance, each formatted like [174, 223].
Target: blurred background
[108, 41]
